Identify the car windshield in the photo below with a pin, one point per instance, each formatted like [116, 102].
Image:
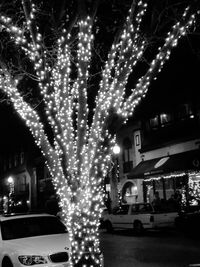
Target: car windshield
[121, 210]
[31, 226]
[141, 208]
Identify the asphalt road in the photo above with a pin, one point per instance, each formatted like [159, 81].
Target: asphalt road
[167, 248]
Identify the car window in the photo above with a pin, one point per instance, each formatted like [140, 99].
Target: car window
[141, 208]
[32, 226]
[122, 210]
[146, 207]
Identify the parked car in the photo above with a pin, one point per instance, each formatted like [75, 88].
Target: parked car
[138, 217]
[33, 239]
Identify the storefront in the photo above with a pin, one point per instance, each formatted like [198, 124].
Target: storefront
[129, 192]
[170, 175]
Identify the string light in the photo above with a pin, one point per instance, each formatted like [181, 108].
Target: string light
[81, 153]
[168, 176]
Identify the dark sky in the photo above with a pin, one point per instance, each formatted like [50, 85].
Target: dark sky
[13, 131]
[179, 81]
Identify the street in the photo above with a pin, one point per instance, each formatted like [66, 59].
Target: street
[167, 248]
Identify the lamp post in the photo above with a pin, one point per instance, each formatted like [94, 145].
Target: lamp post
[11, 191]
[114, 177]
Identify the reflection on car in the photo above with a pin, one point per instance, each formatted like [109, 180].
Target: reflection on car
[33, 239]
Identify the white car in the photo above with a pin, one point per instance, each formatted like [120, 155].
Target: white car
[138, 217]
[40, 240]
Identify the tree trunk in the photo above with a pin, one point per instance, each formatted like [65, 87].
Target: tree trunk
[85, 246]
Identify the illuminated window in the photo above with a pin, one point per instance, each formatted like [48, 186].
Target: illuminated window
[22, 157]
[154, 122]
[129, 192]
[127, 145]
[184, 111]
[165, 118]
[137, 140]
[15, 160]
[127, 156]
[22, 183]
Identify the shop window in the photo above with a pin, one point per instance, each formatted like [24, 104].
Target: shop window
[22, 183]
[15, 160]
[184, 112]
[165, 118]
[22, 158]
[127, 157]
[154, 122]
[129, 192]
[180, 182]
[169, 187]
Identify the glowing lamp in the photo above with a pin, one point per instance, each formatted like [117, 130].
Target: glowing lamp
[10, 180]
[116, 149]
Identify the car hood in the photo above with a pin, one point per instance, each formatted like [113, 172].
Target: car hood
[40, 245]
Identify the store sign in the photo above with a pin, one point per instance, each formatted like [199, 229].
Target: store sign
[161, 162]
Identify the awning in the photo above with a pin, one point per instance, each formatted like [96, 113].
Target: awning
[178, 162]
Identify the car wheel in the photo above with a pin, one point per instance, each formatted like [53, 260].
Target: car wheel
[108, 226]
[138, 228]
[7, 262]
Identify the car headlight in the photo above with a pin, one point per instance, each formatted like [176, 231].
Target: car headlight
[31, 260]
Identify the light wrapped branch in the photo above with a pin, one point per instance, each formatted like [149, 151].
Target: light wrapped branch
[124, 54]
[31, 118]
[17, 34]
[54, 88]
[178, 30]
[83, 57]
[132, 47]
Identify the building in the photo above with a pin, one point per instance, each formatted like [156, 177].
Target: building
[25, 179]
[161, 153]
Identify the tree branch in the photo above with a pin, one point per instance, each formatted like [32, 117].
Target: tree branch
[178, 30]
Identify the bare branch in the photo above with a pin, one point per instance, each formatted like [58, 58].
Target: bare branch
[178, 30]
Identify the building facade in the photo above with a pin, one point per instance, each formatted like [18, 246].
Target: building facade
[25, 182]
[160, 153]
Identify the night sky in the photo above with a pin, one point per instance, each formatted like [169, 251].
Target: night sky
[179, 80]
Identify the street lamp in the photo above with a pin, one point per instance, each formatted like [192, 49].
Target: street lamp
[11, 191]
[116, 149]
[114, 177]
[10, 180]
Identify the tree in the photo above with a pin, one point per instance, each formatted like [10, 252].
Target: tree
[80, 154]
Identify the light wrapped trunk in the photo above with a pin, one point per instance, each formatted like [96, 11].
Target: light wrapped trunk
[85, 244]
[82, 217]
